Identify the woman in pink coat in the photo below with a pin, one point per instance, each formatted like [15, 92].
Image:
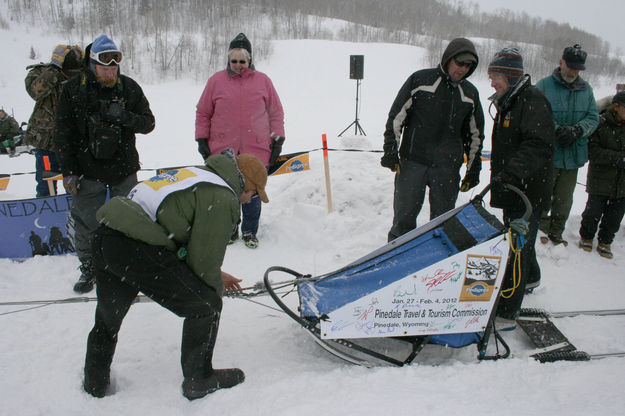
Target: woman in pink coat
[240, 109]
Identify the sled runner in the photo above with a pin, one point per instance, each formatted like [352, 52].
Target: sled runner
[436, 284]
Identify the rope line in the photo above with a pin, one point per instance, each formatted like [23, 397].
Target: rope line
[252, 291]
[303, 151]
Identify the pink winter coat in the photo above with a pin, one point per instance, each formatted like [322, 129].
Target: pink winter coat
[240, 111]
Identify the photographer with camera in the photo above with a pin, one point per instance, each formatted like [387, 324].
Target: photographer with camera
[98, 114]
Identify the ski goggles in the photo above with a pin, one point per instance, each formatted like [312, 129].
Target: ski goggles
[107, 57]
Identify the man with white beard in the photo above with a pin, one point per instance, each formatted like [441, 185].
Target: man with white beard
[576, 118]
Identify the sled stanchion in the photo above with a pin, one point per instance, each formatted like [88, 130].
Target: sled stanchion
[528, 206]
[526, 202]
[327, 170]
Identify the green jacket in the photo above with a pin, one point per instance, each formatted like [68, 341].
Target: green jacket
[572, 104]
[607, 151]
[199, 219]
[43, 84]
[8, 127]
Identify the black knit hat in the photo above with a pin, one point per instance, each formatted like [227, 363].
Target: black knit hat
[241, 41]
[73, 62]
[509, 63]
[575, 57]
[619, 98]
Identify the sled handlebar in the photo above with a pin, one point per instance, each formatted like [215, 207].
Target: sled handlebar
[528, 206]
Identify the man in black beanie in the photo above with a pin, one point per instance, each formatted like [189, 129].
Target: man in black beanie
[522, 150]
[435, 121]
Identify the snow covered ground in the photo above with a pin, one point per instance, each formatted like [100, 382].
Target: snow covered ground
[42, 349]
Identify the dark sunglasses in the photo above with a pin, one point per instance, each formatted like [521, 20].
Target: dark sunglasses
[107, 57]
[463, 63]
[240, 61]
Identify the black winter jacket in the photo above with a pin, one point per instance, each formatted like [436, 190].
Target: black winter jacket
[441, 120]
[82, 97]
[523, 142]
[606, 148]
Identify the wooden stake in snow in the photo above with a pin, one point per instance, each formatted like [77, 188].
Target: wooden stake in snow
[327, 169]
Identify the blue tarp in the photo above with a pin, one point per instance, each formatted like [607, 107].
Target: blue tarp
[335, 290]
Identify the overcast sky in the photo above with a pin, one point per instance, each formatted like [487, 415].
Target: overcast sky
[603, 18]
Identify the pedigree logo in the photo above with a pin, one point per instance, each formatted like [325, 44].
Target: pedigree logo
[479, 278]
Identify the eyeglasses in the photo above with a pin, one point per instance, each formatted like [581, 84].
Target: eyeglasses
[240, 61]
[463, 63]
[107, 57]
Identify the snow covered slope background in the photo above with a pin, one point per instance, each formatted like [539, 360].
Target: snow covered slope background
[42, 349]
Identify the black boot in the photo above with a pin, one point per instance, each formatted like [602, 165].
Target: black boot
[198, 342]
[87, 278]
[100, 351]
[220, 379]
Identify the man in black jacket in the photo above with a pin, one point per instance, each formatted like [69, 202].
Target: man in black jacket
[435, 120]
[522, 155]
[98, 114]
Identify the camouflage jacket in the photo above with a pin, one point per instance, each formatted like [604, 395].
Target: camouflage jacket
[43, 84]
[8, 127]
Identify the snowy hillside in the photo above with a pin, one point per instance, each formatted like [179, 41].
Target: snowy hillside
[43, 349]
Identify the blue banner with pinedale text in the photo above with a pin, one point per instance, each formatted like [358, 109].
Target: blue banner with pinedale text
[35, 227]
[455, 295]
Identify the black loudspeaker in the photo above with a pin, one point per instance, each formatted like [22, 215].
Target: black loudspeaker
[356, 66]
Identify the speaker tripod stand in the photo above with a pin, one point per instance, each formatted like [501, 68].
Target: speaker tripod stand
[355, 123]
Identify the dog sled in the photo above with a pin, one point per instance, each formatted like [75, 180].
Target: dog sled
[438, 284]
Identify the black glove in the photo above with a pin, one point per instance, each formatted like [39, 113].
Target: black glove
[470, 180]
[202, 147]
[114, 112]
[567, 135]
[503, 178]
[391, 161]
[276, 149]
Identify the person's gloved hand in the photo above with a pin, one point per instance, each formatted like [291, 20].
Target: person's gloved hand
[520, 226]
[202, 147]
[470, 180]
[114, 112]
[71, 184]
[276, 149]
[567, 135]
[391, 161]
[503, 178]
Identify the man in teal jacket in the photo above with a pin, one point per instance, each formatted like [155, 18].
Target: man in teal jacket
[167, 239]
[576, 117]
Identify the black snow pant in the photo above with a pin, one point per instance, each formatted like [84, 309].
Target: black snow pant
[509, 306]
[410, 184]
[605, 212]
[124, 267]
